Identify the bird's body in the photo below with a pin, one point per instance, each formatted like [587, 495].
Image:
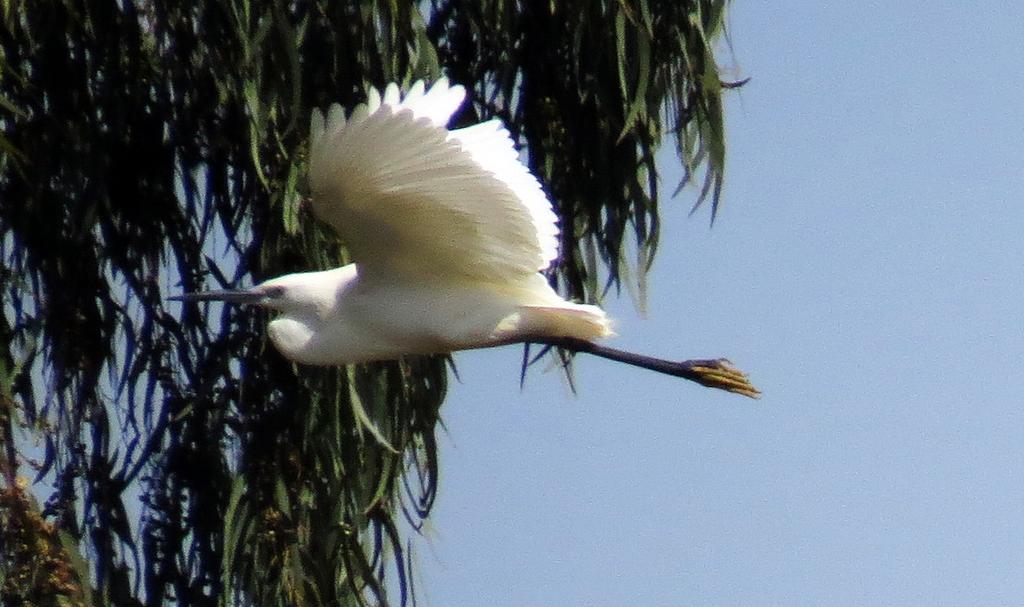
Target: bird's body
[341, 316]
[450, 234]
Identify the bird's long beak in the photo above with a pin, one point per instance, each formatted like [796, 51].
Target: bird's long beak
[254, 295]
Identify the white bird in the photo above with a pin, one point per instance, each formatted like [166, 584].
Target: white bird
[449, 232]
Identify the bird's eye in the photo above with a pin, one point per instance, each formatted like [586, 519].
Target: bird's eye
[275, 292]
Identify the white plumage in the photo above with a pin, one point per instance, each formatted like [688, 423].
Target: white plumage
[448, 231]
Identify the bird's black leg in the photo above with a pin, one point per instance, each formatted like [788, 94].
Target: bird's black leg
[711, 372]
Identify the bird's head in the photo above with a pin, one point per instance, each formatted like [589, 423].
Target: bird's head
[307, 293]
[305, 300]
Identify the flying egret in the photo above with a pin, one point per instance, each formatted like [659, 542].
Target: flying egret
[449, 232]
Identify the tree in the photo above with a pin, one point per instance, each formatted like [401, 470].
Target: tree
[148, 147]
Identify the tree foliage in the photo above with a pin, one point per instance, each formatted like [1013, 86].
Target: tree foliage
[150, 147]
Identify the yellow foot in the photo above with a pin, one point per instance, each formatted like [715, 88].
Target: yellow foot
[719, 373]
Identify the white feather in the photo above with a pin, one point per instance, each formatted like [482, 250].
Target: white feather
[391, 95]
[372, 100]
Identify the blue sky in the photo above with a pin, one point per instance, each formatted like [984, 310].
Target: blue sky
[867, 271]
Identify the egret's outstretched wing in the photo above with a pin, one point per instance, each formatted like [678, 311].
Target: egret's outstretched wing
[407, 195]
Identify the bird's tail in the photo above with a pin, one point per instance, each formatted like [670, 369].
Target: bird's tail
[568, 319]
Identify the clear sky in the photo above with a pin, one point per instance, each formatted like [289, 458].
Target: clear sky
[867, 271]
